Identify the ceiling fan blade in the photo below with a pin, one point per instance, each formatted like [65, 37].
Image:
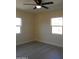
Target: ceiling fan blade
[47, 3]
[36, 1]
[29, 4]
[45, 7]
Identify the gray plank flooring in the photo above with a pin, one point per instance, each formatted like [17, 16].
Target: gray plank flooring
[38, 50]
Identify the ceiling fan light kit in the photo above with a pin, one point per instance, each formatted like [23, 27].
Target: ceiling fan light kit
[38, 6]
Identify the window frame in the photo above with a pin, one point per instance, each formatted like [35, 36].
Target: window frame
[19, 25]
[57, 25]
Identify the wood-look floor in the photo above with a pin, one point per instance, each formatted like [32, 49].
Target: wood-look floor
[38, 50]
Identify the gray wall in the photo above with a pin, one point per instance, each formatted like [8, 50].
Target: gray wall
[44, 30]
[26, 34]
[37, 27]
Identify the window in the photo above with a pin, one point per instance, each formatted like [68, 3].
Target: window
[18, 25]
[57, 25]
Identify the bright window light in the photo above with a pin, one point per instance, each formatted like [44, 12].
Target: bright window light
[17, 29]
[18, 25]
[18, 21]
[56, 21]
[57, 24]
[57, 30]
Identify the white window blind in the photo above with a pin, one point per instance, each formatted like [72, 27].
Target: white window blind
[18, 25]
[57, 24]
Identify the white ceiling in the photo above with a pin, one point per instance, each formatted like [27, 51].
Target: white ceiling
[58, 5]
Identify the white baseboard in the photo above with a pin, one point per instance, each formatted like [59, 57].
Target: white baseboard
[52, 43]
[23, 42]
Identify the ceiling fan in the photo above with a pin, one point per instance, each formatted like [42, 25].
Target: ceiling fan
[40, 4]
